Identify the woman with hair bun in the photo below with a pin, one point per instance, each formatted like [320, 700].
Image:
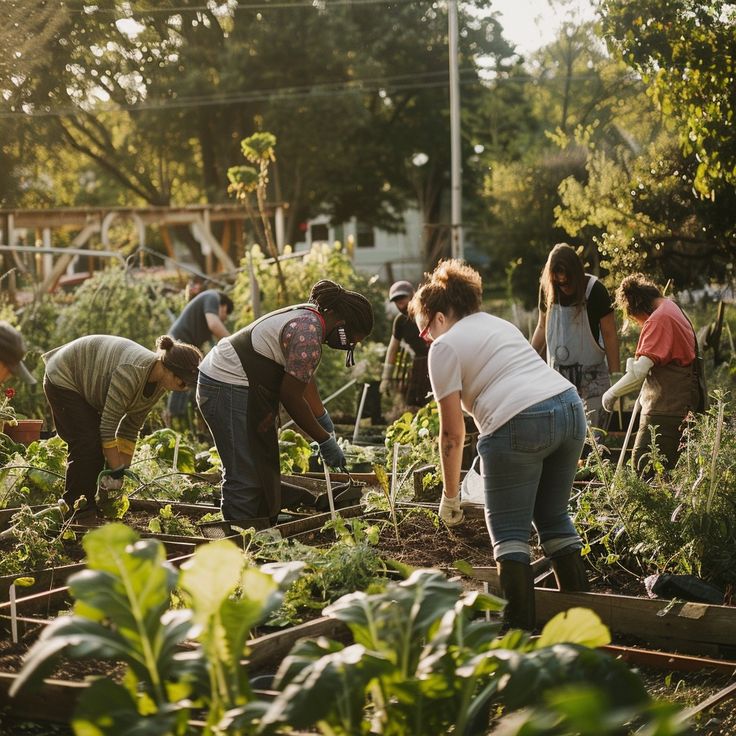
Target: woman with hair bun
[532, 428]
[100, 389]
[245, 377]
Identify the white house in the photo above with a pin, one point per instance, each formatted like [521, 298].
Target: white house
[390, 256]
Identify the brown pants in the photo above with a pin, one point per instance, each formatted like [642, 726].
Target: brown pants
[669, 433]
[78, 423]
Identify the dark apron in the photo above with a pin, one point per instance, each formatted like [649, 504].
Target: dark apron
[670, 390]
[264, 386]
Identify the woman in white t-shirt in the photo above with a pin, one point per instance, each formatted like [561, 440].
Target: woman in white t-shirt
[532, 429]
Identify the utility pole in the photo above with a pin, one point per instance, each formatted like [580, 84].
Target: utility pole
[456, 197]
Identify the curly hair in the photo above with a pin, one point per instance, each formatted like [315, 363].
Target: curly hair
[636, 294]
[351, 306]
[452, 288]
[563, 259]
[180, 358]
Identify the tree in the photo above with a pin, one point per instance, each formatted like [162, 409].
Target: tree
[640, 209]
[684, 50]
[158, 98]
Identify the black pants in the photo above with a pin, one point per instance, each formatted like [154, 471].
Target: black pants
[78, 423]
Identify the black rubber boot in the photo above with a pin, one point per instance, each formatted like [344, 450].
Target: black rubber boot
[570, 572]
[517, 587]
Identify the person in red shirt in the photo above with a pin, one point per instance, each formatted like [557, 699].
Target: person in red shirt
[664, 367]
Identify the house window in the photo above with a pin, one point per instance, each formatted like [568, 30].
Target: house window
[320, 233]
[365, 236]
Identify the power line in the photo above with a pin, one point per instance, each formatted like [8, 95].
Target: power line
[310, 5]
[278, 94]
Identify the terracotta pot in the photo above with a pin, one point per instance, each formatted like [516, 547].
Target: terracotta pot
[26, 431]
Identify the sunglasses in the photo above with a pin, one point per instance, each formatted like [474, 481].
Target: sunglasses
[424, 334]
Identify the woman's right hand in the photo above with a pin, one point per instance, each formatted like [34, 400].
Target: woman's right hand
[331, 453]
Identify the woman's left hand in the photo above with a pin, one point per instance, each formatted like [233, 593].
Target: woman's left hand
[450, 511]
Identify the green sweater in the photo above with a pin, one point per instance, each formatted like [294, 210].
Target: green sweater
[109, 373]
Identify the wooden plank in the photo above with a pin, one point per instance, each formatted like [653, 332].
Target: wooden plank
[316, 522]
[274, 647]
[54, 701]
[669, 661]
[690, 713]
[698, 623]
[45, 580]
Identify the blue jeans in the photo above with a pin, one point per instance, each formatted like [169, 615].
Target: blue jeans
[528, 468]
[224, 407]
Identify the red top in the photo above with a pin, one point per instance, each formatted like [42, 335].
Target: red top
[667, 337]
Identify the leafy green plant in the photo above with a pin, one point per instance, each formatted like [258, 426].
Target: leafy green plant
[116, 302]
[350, 563]
[167, 445]
[294, 452]
[122, 613]
[420, 432]
[421, 663]
[39, 542]
[167, 522]
[681, 521]
[33, 475]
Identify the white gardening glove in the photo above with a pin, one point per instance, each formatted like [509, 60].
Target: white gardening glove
[387, 383]
[609, 400]
[108, 483]
[450, 511]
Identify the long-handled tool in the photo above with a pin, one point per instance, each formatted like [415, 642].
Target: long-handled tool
[627, 437]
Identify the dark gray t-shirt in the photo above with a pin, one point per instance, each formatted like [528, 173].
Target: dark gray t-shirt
[191, 326]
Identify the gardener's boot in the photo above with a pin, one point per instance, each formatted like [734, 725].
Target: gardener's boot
[517, 587]
[570, 572]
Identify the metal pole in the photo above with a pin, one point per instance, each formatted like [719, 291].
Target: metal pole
[366, 386]
[456, 236]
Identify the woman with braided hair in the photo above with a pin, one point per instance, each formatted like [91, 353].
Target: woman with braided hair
[245, 376]
[101, 388]
[532, 427]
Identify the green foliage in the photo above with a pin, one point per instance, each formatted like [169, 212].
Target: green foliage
[167, 522]
[166, 443]
[259, 147]
[420, 432]
[348, 564]
[32, 475]
[420, 663]
[680, 522]
[294, 452]
[39, 542]
[115, 302]
[683, 50]
[637, 204]
[122, 613]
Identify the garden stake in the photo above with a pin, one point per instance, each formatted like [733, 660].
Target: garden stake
[330, 498]
[13, 614]
[360, 412]
[175, 463]
[394, 487]
[634, 412]
[324, 401]
[716, 447]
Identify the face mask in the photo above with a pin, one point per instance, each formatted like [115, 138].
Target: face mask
[338, 340]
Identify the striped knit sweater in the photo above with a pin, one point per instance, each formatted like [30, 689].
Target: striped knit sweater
[109, 373]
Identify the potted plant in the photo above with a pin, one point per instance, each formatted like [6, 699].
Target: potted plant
[18, 429]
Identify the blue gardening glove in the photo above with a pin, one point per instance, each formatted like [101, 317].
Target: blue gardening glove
[331, 453]
[325, 421]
